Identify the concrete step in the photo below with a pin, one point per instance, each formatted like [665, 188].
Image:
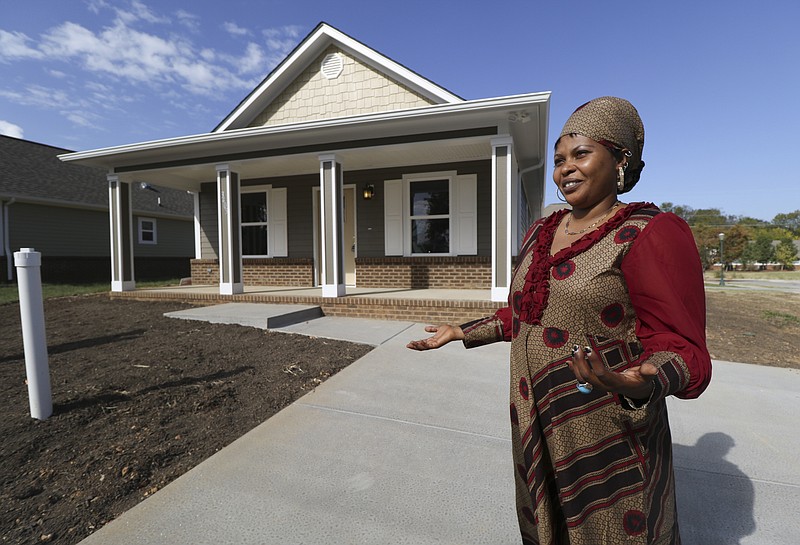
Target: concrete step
[262, 316]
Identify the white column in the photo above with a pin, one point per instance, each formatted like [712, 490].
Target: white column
[230, 246]
[121, 222]
[503, 175]
[331, 226]
[198, 247]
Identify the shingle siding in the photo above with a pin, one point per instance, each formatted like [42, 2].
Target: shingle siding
[359, 89]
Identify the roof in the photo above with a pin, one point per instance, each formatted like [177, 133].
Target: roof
[32, 172]
[306, 51]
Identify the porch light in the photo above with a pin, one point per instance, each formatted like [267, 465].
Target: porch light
[369, 191]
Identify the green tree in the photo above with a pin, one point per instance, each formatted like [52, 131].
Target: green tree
[790, 221]
[786, 254]
[759, 251]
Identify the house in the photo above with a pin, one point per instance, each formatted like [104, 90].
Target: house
[345, 168]
[61, 210]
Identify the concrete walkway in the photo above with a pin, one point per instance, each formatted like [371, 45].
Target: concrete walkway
[407, 447]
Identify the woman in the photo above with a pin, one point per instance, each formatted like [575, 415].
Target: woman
[606, 318]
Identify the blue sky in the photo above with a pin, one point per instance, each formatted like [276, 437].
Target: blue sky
[716, 82]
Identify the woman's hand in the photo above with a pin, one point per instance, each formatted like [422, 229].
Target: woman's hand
[634, 382]
[443, 335]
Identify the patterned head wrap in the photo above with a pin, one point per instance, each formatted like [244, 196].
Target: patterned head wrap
[615, 123]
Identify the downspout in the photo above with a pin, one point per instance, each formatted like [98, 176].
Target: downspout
[7, 240]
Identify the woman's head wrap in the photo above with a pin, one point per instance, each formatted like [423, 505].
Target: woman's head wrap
[615, 123]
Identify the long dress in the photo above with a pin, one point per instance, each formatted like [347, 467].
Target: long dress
[596, 468]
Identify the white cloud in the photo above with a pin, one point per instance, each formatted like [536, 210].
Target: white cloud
[189, 20]
[234, 30]
[14, 45]
[281, 40]
[9, 129]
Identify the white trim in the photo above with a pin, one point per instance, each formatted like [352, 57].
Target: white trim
[500, 293]
[317, 42]
[331, 287]
[475, 106]
[198, 244]
[450, 176]
[266, 189]
[140, 230]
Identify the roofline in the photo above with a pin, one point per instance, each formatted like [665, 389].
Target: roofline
[24, 199]
[363, 50]
[472, 106]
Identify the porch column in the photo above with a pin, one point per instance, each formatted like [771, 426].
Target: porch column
[121, 222]
[503, 176]
[332, 249]
[230, 246]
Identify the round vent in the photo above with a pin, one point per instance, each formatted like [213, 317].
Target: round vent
[332, 66]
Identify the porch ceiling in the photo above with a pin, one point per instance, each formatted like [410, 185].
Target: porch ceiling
[430, 135]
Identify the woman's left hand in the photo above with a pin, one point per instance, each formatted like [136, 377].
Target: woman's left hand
[634, 382]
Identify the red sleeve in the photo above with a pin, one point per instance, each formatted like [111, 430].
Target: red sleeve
[665, 280]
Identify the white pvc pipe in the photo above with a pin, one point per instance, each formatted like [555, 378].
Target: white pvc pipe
[31, 310]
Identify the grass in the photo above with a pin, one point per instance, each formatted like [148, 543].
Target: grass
[781, 318]
[9, 293]
[755, 275]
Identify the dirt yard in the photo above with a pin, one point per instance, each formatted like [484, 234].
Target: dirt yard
[139, 399]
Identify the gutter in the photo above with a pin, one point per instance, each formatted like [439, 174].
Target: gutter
[7, 240]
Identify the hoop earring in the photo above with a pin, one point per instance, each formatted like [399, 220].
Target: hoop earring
[560, 195]
[621, 179]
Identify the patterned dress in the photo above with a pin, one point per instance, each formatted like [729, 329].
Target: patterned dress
[597, 469]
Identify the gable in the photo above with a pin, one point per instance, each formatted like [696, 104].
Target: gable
[357, 89]
[295, 86]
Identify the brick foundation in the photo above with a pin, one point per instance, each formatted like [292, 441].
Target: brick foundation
[275, 271]
[463, 272]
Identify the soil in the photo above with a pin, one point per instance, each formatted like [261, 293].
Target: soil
[139, 399]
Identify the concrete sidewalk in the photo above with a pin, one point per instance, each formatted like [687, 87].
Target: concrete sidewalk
[413, 447]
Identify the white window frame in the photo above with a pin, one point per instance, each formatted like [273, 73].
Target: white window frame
[266, 189]
[142, 230]
[408, 179]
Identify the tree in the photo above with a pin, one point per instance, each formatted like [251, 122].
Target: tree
[759, 251]
[790, 221]
[786, 254]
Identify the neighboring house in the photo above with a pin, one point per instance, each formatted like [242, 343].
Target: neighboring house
[61, 210]
[342, 168]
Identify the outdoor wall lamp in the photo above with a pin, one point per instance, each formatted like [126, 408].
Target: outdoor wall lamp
[369, 191]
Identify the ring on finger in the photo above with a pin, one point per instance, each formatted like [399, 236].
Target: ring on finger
[584, 387]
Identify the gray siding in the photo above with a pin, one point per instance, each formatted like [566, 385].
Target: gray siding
[369, 214]
[57, 231]
[175, 238]
[209, 237]
[299, 210]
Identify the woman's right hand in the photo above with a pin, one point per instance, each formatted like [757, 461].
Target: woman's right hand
[443, 334]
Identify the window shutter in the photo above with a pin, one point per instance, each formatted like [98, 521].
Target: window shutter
[393, 217]
[466, 214]
[278, 243]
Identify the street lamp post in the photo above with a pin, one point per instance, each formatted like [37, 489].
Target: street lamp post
[722, 259]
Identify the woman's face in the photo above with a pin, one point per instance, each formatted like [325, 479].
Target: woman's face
[585, 171]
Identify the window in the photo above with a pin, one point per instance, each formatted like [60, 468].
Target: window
[147, 231]
[263, 221]
[429, 207]
[255, 224]
[433, 213]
